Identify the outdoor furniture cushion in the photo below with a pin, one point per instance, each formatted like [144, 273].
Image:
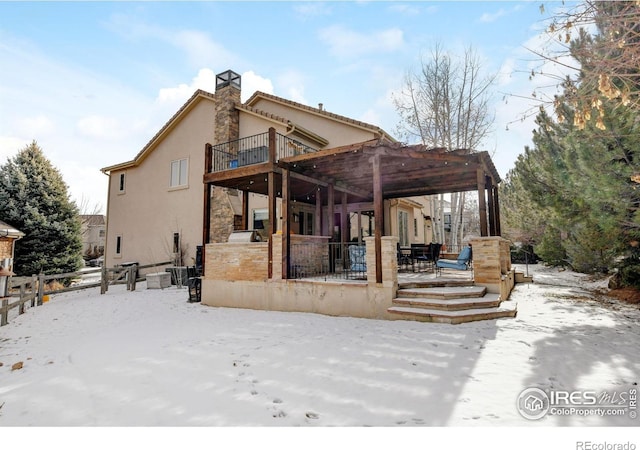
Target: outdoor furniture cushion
[357, 258]
[461, 263]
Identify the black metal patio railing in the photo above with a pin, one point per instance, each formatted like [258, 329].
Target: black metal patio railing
[328, 261]
[254, 150]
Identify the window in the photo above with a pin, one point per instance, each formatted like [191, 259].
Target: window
[403, 228]
[121, 184]
[101, 233]
[261, 223]
[260, 219]
[176, 242]
[118, 246]
[447, 222]
[179, 172]
[310, 222]
[415, 227]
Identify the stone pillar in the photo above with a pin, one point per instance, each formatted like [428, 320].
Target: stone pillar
[492, 265]
[226, 128]
[389, 260]
[227, 119]
[276, 271]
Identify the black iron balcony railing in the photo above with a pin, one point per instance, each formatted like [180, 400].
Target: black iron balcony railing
[332, 260]
[254, 150]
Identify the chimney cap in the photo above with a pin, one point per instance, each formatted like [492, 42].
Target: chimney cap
[227, 78]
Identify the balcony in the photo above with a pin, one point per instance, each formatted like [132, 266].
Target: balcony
[255, 150]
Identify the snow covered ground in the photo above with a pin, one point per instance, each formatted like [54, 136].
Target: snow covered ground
[151, 359]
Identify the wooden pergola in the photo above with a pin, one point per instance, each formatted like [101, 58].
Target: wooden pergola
[370, 171]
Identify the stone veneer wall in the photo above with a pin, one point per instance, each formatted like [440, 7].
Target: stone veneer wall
[6, 248]
[229, 266]
[492, 265]
[237, 261]
[222, 215]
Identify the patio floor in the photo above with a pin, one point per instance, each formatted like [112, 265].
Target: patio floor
[415, 277]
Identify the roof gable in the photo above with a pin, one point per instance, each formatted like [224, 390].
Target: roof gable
[166, 128]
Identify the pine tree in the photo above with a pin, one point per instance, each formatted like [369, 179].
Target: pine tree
[34, 199]
[582, 174]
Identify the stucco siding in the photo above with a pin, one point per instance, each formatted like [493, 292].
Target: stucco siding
[149, 211]
[336, 133]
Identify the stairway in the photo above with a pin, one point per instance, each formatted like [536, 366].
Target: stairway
[448, 301]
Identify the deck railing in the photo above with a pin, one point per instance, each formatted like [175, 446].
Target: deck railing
[332, 260]
[254, 150]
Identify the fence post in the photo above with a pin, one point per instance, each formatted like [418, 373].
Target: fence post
[104, 282]
[4, 316]
[134, 276]
[131, 277]
[40, 288]
[23, 287]
[33, 290]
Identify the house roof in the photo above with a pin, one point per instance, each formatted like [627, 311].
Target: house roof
[92, 219]
[405, 171]
[248, 107]
[258, 95]
[7, 230]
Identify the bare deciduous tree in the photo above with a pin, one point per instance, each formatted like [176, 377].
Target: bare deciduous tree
[598, 42]
[445, 104]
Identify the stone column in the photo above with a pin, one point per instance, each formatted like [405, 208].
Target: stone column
[492, 265]
[226, 128]
[389, 260]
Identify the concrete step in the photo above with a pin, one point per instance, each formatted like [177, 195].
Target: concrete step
[522, 278]
[507, 309]
[440, 282]
[450, 304]
[445, 292]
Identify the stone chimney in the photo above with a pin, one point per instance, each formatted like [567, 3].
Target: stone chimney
[226, 128]
[227, 119]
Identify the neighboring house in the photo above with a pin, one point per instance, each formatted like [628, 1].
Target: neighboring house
[156, 201]
[94, 231]
[8, 237]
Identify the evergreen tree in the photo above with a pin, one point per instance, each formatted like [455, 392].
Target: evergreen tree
[34, 199]
[582, 174]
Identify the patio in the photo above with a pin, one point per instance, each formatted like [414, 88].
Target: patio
[363, 174]
[277, 275]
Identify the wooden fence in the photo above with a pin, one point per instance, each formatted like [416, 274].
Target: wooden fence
[33, 290]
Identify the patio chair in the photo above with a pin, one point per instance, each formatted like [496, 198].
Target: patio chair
[404, 260]
[194, 283]
[463, 262]
[429, 254]
[435, 252]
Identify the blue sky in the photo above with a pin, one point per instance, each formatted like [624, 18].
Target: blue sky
[92, 82]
